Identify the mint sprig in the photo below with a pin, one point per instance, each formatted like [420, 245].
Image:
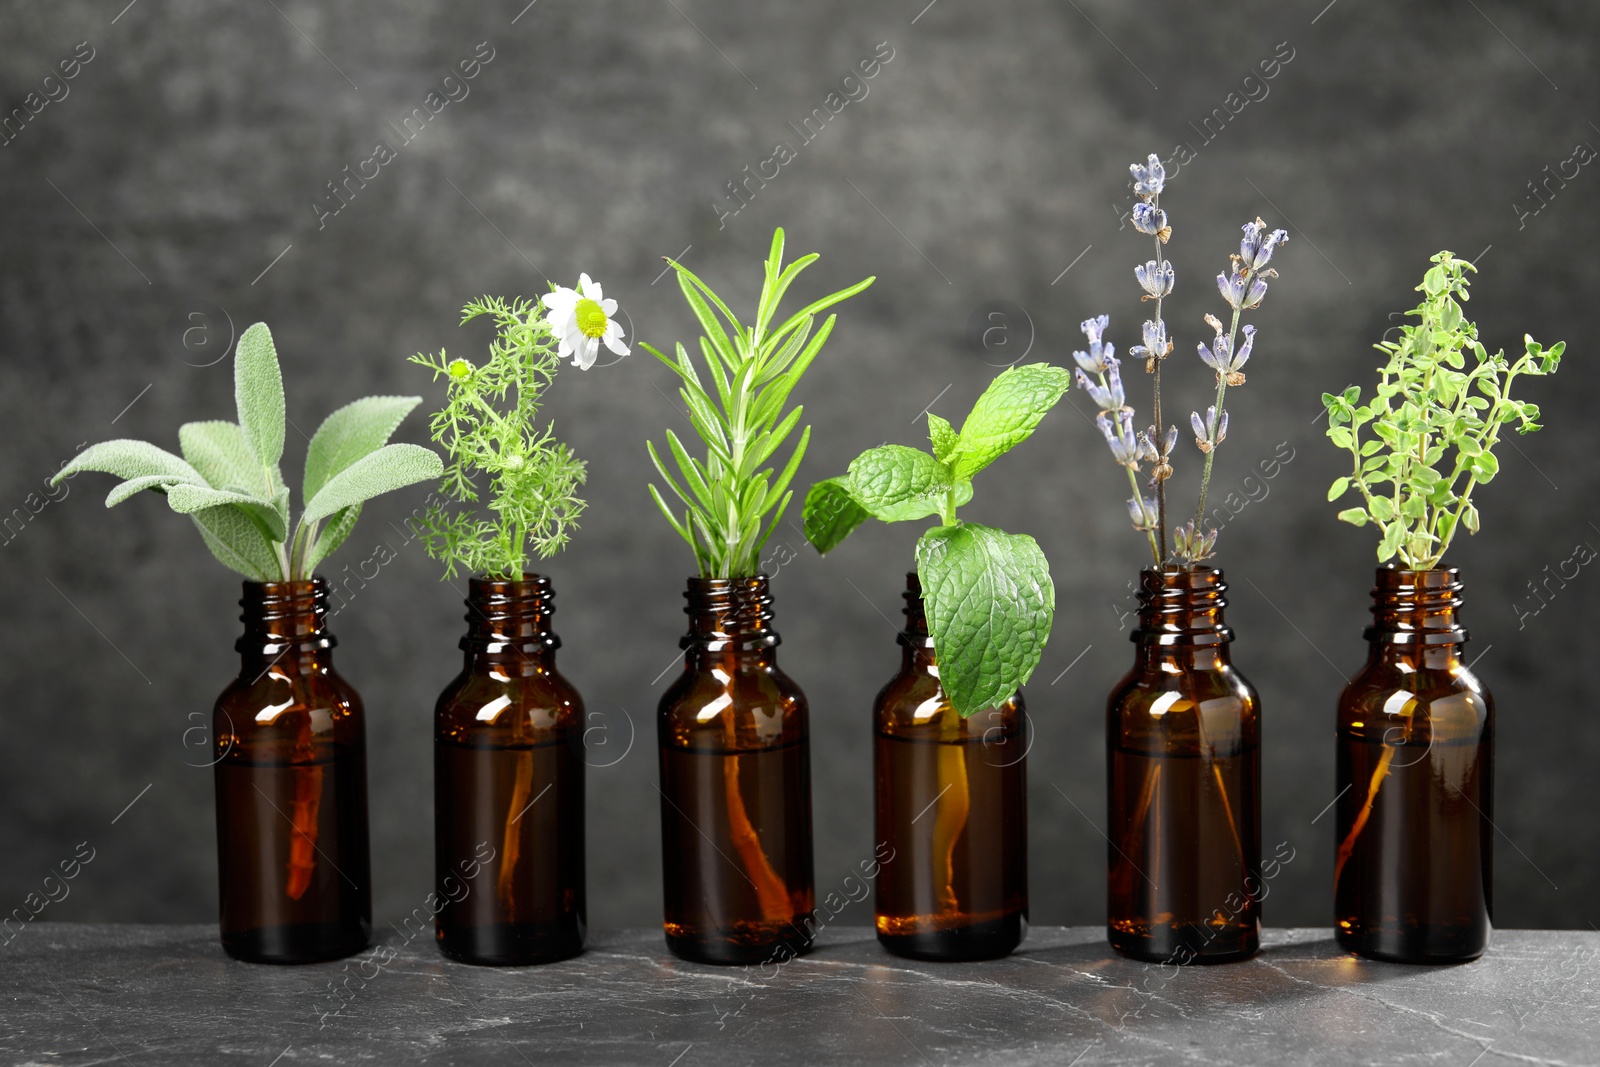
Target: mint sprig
[987, 593]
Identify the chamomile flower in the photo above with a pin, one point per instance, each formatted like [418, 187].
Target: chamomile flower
[582, 319]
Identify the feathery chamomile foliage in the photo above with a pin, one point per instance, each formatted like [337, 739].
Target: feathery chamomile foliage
[741, 420]
[497, 455]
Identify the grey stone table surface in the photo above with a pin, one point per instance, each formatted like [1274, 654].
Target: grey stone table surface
[78, 994]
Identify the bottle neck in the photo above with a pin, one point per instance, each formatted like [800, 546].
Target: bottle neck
[730, 621]
[284, 621]
[1180, 617]
[916, 646]
[1416, 616]
[508, 621]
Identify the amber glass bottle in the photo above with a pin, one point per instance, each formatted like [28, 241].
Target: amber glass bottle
[735, 786]
[952, 807]
[1412, 873]
[1183, 740]
[508, 776]
[291, 775]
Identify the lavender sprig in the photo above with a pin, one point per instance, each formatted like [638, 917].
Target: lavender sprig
[1116, 421]
[1157, 279]
[1243, 288]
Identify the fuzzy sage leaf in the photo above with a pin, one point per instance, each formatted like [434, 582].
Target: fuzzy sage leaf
[229, 483]
[258, 394]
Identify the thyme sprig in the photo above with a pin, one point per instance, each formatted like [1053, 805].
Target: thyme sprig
[1434, 423]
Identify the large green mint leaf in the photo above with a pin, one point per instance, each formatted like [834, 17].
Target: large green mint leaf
[374, 474]
[355, 430]
[237, 541]
[220, 453]
[1007, 414]
[831, 513]
[258, 394]
[131, 460]
[989, 602]
[895, 483]
[188, 499]
[331, 536]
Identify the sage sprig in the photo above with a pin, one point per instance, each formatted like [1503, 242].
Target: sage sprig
[987, 593]
[228, 479]
[741, 420]
[1434, 423]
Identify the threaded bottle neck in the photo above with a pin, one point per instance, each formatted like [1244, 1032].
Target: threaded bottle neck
[1179, 607]
[1416, 607]
[729, 614]
[506, 616]
[279, 616]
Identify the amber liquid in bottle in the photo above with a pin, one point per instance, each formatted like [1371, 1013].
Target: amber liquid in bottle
[952, 811]
[509, 787]
[1413, 879]
[1183, 741]
[735, 786]
[291, 785]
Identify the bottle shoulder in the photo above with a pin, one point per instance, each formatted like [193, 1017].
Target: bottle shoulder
[1173, 710]
[492, 706]
[750, 706]
[1446, 702]
[290, 711]
[913, 706]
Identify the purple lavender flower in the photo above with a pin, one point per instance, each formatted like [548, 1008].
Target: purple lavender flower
[1258, 288]
[1155, 342]
[1102, 355]
[1149, 219]
[1208, 433]
[1256, 249]
[1109, 397]
[1148, 179]
[1143, 511]
[1192, 545]
[1233, 288]
[1218, 356]
[1156, 278]
[1147, 447]
[1119, 435]
[1242, 355]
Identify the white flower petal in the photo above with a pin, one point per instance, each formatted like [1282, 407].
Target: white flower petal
[614, 343]
[608, 306]
[583, 358]
[588, 288]
[614, 328]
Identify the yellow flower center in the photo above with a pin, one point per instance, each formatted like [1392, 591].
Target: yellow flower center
[591, 318]
[460, 369]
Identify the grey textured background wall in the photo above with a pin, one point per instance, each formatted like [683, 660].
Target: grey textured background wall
[989, 155]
